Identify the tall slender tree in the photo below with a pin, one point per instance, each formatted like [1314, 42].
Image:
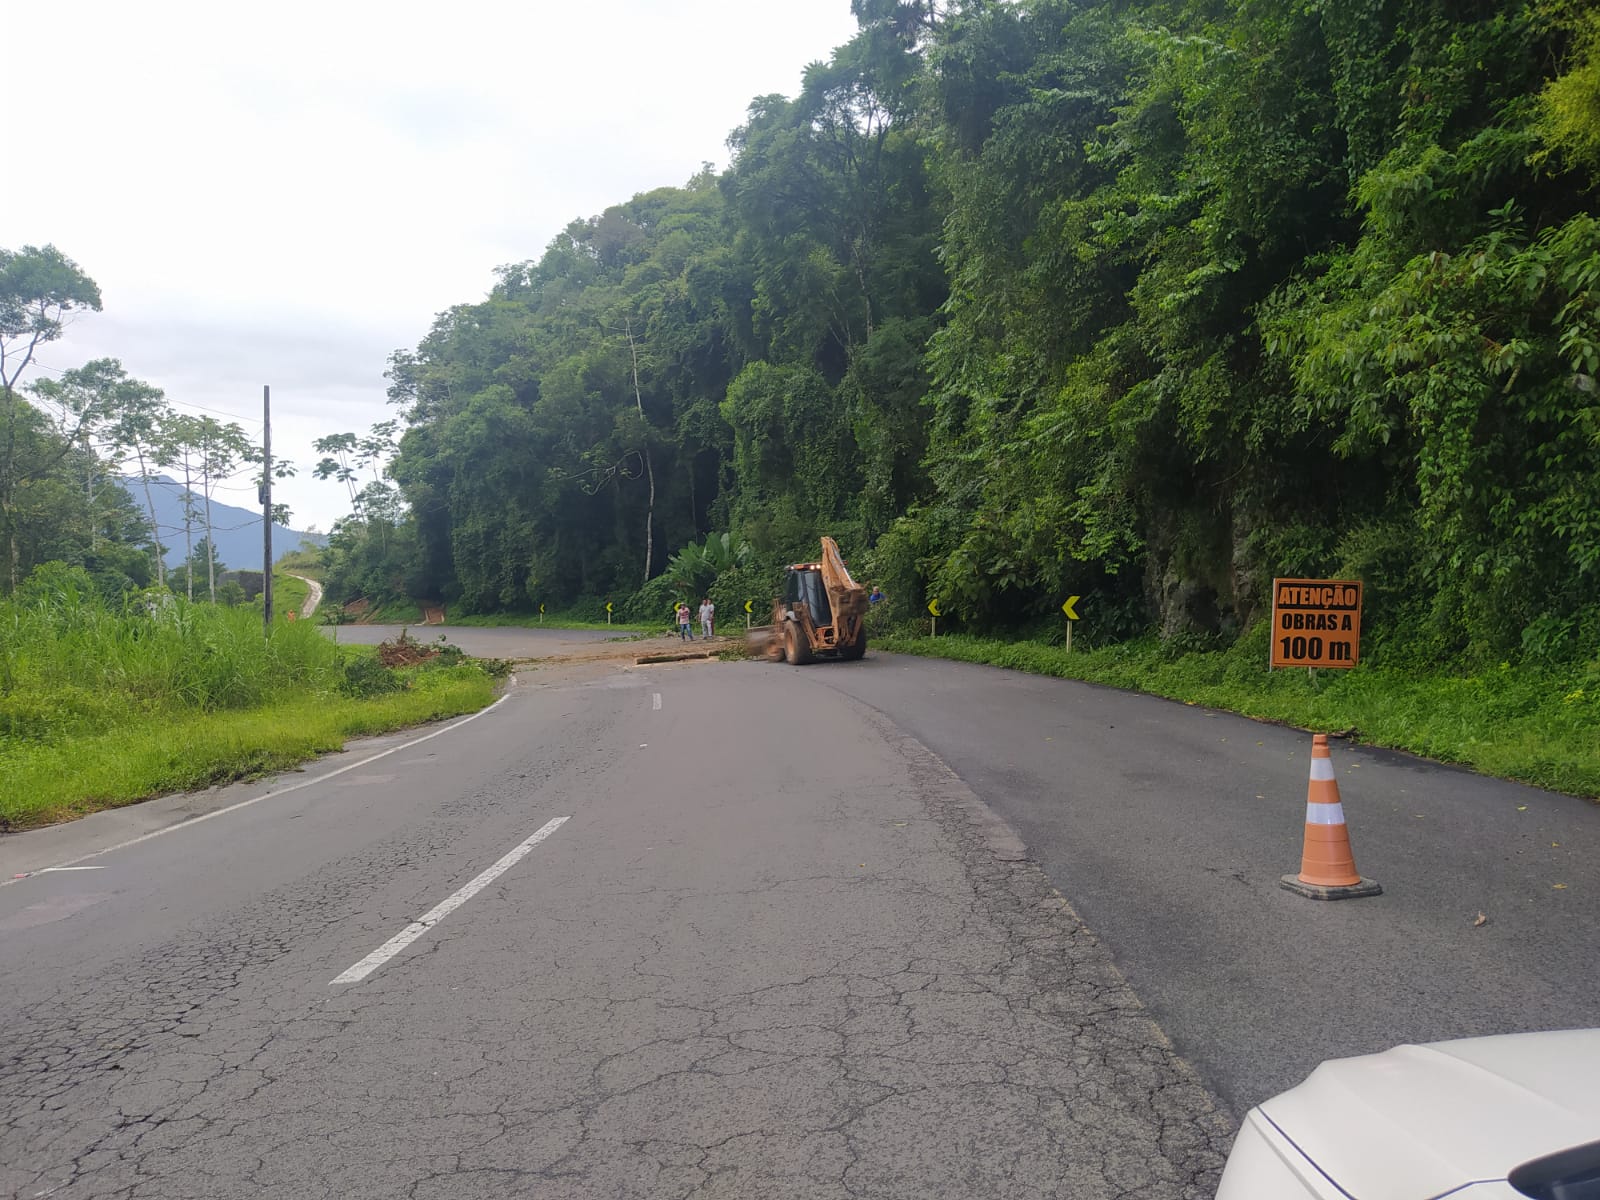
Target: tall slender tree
[40, 289]
[222, 449]
[139, 418]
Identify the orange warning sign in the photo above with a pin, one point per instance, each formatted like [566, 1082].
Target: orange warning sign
[1316, 622]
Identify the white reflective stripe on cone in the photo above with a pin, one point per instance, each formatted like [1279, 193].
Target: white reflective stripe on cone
[1325, 814]
[1321, 768]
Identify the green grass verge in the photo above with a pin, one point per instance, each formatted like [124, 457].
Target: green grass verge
[54, 781]
[1526, 722]
[288, 594]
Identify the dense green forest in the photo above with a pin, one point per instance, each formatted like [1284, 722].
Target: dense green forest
[1147, 302]
[1144, 301]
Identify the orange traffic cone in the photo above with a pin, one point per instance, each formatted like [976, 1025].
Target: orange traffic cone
[1327, 867]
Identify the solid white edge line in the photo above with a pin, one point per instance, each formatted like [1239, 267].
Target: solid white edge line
[293, 787]
[445, 907]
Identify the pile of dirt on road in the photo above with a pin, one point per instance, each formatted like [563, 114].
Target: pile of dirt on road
[405, 651]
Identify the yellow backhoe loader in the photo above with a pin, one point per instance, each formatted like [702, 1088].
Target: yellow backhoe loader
[819, 612]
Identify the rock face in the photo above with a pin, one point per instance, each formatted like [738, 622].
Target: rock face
[1188, 606]
[1205, 579]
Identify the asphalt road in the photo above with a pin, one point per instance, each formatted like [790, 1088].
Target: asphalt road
[709, 930]
[509, 641]
[765, 944]
[1167, 827]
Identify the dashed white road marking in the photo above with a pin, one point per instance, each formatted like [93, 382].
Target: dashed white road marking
[444, 908]
[655, 701]
[276, 792]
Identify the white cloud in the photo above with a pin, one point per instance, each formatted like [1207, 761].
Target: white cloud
[284, 194]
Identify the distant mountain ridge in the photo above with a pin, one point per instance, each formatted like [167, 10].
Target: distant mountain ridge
[235, 531]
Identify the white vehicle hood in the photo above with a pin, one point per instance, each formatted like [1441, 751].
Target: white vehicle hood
[1416, 1122]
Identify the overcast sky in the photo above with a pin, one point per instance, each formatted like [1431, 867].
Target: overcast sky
[285, 193]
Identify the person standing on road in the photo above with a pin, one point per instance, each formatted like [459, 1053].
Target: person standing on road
[708, 614]
[683, 622]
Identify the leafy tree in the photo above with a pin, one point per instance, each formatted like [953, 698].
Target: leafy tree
[1569, 104]
[79, 409]
[694, 568]
[40, 289]
[205, 452]
[138, 430]
[221, 451]
[345, 456]
[202, 560]
[85, 407]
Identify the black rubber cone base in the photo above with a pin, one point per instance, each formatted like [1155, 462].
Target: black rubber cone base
[1314, 891]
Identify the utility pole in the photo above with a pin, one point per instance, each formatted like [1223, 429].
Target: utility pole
[266, 508]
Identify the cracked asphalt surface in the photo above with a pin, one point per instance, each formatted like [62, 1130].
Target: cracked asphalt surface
[778, 950]
[1168, 827]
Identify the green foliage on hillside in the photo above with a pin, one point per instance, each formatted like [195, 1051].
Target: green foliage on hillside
[1144, 301]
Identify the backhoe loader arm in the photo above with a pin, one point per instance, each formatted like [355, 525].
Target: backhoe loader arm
[846, 597]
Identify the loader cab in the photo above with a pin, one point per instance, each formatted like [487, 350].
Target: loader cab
[802, 584]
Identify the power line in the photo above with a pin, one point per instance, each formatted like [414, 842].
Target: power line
[216, 412]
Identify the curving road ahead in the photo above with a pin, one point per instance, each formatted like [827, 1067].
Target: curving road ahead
[313, 596]
[712, 930]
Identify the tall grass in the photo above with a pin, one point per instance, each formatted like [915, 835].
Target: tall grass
[104, 704]
[72, 664]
